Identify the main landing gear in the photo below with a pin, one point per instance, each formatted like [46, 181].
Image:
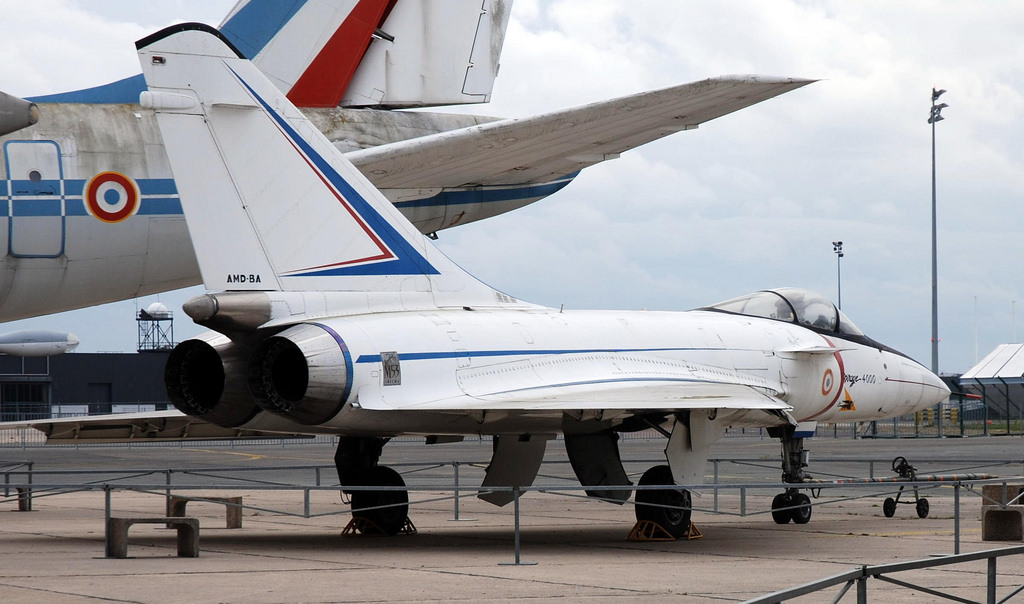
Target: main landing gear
[385, 511]
[669, 508]
[791, 504]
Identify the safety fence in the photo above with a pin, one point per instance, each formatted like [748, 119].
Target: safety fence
[883, 572]
[20, 480]
[430, 483]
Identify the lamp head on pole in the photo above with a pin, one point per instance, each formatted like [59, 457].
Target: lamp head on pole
[936, 114]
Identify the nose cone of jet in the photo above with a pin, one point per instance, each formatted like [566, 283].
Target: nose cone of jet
[921, 388]
[934, 390]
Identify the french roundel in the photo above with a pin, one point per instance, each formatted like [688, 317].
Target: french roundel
[827, 382]
[111, 196]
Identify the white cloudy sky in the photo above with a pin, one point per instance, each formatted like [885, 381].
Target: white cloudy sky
[747, 202]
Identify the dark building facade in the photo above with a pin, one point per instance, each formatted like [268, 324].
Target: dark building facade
[77, 383]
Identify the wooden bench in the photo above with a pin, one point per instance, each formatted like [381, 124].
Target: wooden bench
[233, 516]
[188, 535]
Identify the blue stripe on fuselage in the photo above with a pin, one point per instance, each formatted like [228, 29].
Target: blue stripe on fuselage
[250, 29]
[462, 354]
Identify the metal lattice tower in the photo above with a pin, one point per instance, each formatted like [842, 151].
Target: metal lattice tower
[156, 328]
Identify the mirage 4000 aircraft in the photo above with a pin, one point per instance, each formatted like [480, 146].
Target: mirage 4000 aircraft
[332, 314]
[90, 213]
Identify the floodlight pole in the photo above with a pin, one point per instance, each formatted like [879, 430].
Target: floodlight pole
[935, 116]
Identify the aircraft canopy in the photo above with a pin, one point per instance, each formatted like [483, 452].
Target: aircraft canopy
[792, 305]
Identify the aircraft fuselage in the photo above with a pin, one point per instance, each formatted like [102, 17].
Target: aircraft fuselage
[424, 372]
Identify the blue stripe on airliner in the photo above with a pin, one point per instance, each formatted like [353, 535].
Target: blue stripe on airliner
[454, 198]
[159, 195]
[157, 186]
[428, 356]
[256, 23]
[35, 187]
[75, 207]
[36, 207]
[250, 29]
[160, 206]
[122, 91]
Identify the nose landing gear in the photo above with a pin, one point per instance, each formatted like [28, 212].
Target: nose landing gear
[792, 504]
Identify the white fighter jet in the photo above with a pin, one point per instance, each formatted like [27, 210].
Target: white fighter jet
[332, 314]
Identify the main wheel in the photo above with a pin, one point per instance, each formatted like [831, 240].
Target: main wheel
[675, 516]
[889, 507]
[389, 519]
[922, 508]
[802, 514]
[780, 516]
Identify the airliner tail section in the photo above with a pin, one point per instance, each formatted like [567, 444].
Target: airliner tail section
[373, 53]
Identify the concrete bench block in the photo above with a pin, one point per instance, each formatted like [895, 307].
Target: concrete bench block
[1002, 523]
[188, 535]
[233, 505]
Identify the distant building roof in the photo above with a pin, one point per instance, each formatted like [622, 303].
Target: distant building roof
[1005, 364]
[999, 378]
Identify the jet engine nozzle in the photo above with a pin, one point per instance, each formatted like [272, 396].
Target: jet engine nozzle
[205, 378]
[302, 373]
[16, 114]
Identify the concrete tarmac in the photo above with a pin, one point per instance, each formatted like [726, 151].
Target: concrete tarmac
[55, 553]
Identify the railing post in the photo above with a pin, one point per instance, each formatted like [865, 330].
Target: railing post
[106, 517]
[956, 518]
[990, 592]
[305, 502]
[167, 491]
[716, 486]
[455, 466]
[518, 560]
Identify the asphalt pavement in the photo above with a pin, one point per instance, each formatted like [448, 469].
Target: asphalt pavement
[291, 548]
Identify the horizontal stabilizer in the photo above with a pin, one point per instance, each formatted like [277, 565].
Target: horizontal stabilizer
[131, 427]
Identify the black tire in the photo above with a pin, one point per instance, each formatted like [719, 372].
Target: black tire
[391, 520]
[802, 514]
[889, 507]
[922, 508]
[675, 519]
[782, 500]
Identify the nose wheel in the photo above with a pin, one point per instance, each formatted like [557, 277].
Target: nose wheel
[791, 505]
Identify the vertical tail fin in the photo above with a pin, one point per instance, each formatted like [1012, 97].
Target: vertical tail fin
[361, 53]
[270, 203]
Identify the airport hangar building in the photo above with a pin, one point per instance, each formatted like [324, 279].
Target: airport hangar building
[79, 383]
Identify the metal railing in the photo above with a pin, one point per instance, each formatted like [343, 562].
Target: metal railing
[859, 578]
